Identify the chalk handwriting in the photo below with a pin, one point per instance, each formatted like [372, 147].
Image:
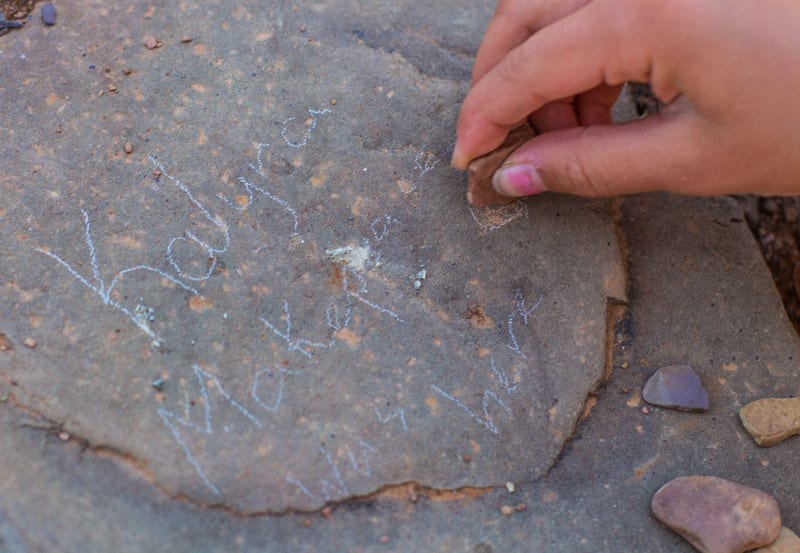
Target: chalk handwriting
[104, 289]
[250, 188]
[294, 344]
[485, 419]
[399, 414]
[310, 124]
[256, 395]
[209, 251]
[334, 486]
[173, 422]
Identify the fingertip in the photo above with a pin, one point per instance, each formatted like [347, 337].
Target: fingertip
[460, 159]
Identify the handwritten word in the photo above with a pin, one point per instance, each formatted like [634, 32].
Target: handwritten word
[484, 420]
[103, 289]
[297, 344]
[310, 126]
[398, 413]
[335, 487]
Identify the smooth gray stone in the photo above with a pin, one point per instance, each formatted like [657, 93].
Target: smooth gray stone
[48, 13]
[676, 387]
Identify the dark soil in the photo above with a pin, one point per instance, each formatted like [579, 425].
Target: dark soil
[775, 223]
[16, 10]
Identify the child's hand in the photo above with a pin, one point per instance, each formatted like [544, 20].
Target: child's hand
[729, 73]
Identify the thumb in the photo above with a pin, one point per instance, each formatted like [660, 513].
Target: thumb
[657, 153]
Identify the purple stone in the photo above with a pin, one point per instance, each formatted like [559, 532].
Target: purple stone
[676, 387]
[48, 13]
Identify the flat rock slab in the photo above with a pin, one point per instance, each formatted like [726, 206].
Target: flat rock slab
[676, 387]
[771, 420]
[716, 515]
[214, 246]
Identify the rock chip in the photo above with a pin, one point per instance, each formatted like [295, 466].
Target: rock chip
[48, 13]
[771, 420]
[787, 542]
[676, 387]
[716, 515]
[480, 192]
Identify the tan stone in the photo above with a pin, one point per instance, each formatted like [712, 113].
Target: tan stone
[716, 515]
[480, 192]
[771, 420]
[787, 542]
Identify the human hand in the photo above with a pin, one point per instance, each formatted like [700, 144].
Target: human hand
[728, 72]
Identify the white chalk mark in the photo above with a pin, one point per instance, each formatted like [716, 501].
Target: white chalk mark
[502, 377]
[250, 188]
[332, 315]
[363, 290]
[172, 421]
[299, 345]
[276, 403]
[398, 413]
[311, 495]
[200, 373]
[328, 490]
[365, 450]
[379, 233]
[168, 417]
[310, 126]
[492, 218]
[210, 251]
[486, 420]
[425, 162]
[104, 290]
[513, 345]
[522, 308]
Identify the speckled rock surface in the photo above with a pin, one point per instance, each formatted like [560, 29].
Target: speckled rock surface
[297, 366]
[716, 515]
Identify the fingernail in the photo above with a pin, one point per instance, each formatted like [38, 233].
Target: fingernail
[517, 180]
[458, 161]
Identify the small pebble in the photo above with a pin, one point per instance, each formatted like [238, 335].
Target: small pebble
[507, 510]
[127, 71]
[717, 515]
[186, 39]
[519, 507]
[3, 398]
[510, 487]
[29, 342]
[676, 387]
[325, 512]
[63, 436]
[771, 420]
[158, 384]
[128, 148]
[5, 343]
[48, 13]
[151, 42]
[787, 542]
[334, 102]
[112, 88]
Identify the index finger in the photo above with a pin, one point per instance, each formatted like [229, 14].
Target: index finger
[513, 22]
[589, 47]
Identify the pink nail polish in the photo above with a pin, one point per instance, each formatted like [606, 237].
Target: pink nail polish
[517, 180]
